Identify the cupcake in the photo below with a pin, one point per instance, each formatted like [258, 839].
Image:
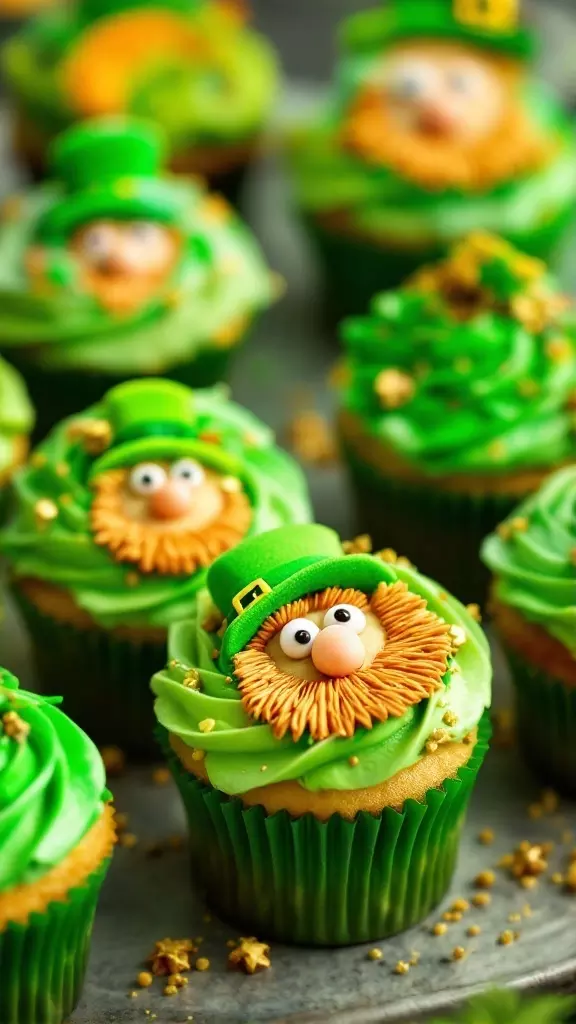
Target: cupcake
[325, 738]
[118, 515]
[532, 556]
[116, 269]
[56, 835]
[436, 128]
[16, 419]
[457, 404]
[194, 68]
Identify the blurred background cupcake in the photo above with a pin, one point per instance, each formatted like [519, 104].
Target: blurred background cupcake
[117, 517]
[115, 269]
[435, 127]
[192, 66]
[532, 556]
[457, 402]
[57, 835]
[326, 739]
[16, 421]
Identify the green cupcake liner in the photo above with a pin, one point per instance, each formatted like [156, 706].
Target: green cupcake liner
[43, 963]
[355, 270]
[546, 723]
[333, 883]
[57, 394]
[103, 678]
[439, 531]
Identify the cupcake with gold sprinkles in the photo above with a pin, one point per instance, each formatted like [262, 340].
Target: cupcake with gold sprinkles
[532, 556]
[457, 402]
[118, 516]
[56, 835]
[333, 706]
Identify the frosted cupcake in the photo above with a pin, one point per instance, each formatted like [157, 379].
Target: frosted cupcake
[325, 737]
[458, 402]
[114, 270]
[16, 419]
[194, 68]
[56, 835]
[436, 127]
[532, 556]
[118, 515]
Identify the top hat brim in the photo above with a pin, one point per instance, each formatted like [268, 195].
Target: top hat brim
[68, 214]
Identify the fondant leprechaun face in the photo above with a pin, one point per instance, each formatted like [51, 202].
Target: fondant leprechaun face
[168, 517]
[338, 660]
[446, 115]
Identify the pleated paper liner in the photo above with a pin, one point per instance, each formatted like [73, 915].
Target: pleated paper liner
[546, 723]
[103, 678]
[333, 883]
[439, 531]
[43, 963]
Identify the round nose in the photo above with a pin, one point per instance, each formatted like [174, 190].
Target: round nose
[434, 119]
[172, 501]
[337, 651]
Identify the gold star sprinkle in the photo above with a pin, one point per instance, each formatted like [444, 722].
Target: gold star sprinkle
[250, 955]
[394, 388]
[46, 511]
[94, 435]
[15, 728]
[171, 956]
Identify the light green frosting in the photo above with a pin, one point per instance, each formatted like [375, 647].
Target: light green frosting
[52, 786]
[489, 395]
[508, 1007]
[16, 415]
[63, 551]
[220, 278]
[224, 102]
[237, 747]
[535, 565]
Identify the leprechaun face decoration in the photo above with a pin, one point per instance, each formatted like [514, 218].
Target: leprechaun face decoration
[321, 643]
[164, 500]
[444, 104]
[112, 231]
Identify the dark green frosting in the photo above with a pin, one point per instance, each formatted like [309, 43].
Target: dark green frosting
[52, 786]
[490, 393]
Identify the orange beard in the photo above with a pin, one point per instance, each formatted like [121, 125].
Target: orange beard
[408, 669]
[169, 548]
[515, 147]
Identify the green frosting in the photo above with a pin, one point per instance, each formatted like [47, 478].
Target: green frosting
[490, 393]
[52, 786]
[533, 557]
[508, 1007]
[16, 414]
[222, 100]
[218, 285]
[63, 551]
[237, 747]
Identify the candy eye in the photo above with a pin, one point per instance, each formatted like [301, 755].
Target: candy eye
[147, 478]
[98, 241]
[145, 231]
[346, 615]
[188, 470]
[463, 81]
[411, 80]
[297, 637]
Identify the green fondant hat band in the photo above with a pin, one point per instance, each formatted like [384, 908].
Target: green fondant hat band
[469, 21]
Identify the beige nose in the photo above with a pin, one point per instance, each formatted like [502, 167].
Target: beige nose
[172, 501]
[434, 119]
[337, 651]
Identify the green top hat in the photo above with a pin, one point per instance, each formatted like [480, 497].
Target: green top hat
[470, 21]
[109, 167]
[93, 10]
[155, 419]
[265, 572]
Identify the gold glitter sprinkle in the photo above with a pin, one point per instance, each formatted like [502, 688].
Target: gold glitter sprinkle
[161, 776]
[375, 954]
[402, 967]
[198, 755]
[486, 837]
[202, 964]
[121, 819]
[450, 718]
[361, 545]
[528, 861]
[207, 725]
[506, 938]
[452, 916]
[506, 861]
[440, 928]
[192, 679]
[485, 880]
[170, 990]
[473, 931]
[94, 435]
[46, 511]
[461, 906]
[144, 979]
[171, 956]
[14, 727]
[394, 388]
[250, 955]
[353, 761]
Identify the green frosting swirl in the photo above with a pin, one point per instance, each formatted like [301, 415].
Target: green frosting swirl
[52, 786]
[63, 551]
[214, 102]
[237, 747]
[16, 414]
[488, 394]
[221, 279]
[533, 557]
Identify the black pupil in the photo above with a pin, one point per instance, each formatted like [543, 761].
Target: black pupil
[302, 636]
[147, 479]
[342, 615]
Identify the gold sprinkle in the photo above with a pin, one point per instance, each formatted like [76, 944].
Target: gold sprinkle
[394, 388]
[431, 747]
[452, 916]
[375, 954]
[263, 767]
[473, 931]
[514, 918]
[207, 725]
[114, 760]
[198, 755]
[133, 994]
[192, 679]
[450, 718]
[402, 967]
[94, 435]
[519, 524]
[161, 776]
[506, 861]
[481, 899]
[128, 839]
[458, 635]
[202, 964]
[414, 958]
[440, 928]
[529, 860]
[571, 878]
[312, 439]
[485, 880]
[527, 910]
[557, 878]
[361, 545]
[250, 955]
[132, 579]
[529, 882]
[14, 727]
[121, 820]
[231, 943]
[171, 956]
[178, 980]
[353, 761]
[461, 906]
[170, 990]
[486, 837]
[144, 979]
[506, 938]
[62, 469]
[45, 510]
[458, 953]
